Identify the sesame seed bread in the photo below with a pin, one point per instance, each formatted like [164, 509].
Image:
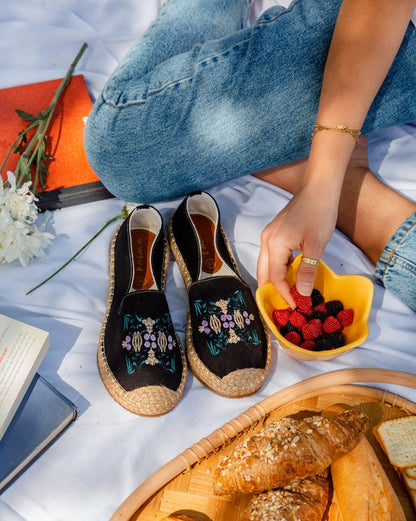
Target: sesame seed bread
[301, 499]
[288, 449]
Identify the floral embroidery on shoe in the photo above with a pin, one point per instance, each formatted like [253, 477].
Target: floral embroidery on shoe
[226, 322]
[148, 342]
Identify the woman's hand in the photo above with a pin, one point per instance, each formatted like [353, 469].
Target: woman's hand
[305, 224]
[365, 41]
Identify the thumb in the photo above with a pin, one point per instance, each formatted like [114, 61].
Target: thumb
[305, 276]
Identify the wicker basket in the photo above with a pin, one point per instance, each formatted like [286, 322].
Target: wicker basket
[185, 483]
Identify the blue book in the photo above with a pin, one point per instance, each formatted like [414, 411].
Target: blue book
[42, 415]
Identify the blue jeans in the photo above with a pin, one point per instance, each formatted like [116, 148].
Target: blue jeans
[396, 267]
[202, 99]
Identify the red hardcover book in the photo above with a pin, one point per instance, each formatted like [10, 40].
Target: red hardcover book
[71, 180]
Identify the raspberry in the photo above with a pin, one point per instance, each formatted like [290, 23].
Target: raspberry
[315, 324]
[317, 297]
[281, 316]
[346, 317]
[333, 307]
[307, 313]
[331, 325]
[297, 319]
[321, 308]
[308, 344]
[293, 337]
[312, 329]
[301, 301]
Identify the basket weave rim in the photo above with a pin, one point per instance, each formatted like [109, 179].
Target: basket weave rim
[258, 413]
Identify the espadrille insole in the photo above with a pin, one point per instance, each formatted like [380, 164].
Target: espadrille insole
[142, 241]
[205, 228]
[211, 264]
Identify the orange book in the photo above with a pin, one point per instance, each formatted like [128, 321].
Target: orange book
[71, 180]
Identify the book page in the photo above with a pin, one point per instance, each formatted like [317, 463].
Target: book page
[22, 348]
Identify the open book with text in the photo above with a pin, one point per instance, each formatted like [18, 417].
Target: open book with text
[22, 349]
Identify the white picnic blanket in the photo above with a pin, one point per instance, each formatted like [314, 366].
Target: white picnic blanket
[108, 451]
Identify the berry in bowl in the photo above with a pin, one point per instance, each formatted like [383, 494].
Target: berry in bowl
[330, 322]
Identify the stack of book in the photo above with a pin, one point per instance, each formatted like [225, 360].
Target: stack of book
[71, 180]
[32, 412]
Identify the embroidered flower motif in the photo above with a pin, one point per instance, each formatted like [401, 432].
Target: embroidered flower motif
[151, 359]
[226, 322]
[215, 324]
[137, 341]
[171, 342]
[233, 337]
[126, 343]
[152, 342]
[203, 328]
[149, 323]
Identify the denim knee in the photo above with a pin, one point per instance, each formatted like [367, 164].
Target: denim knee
[396, 267]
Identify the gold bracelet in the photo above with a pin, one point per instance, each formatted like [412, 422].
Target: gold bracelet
[341, 128]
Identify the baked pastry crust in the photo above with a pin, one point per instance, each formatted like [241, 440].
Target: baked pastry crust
[288, 449]
[301, 499]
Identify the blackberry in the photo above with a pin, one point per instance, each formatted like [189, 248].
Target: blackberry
[323, 344]
[336, 339]
[333, 307]
[320, 315]
[317, 297]
[288, 328]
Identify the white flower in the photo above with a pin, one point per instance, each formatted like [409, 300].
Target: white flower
[20, 238]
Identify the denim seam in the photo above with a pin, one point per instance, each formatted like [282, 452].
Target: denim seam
[393, 252]
[177, 82]
[223, 53]
[141, 101]
[168, 85]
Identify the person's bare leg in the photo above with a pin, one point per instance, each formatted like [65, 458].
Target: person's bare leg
[369, 211]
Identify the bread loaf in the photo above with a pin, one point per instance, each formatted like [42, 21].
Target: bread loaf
[300, 500]
[288, 449]
[362, 488]
[397, 438]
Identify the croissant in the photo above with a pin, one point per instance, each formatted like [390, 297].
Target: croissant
[288, 449]
[304, 499]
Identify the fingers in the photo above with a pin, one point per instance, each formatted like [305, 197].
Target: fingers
[275, 271]
[305, 276]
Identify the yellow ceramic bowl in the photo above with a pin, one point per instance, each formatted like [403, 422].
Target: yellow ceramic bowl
[354, 291]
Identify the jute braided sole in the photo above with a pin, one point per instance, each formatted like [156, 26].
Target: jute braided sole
[152, 400]
[237, 384]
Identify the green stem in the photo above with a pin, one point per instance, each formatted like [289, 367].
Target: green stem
[121, 216]
[44, 123]
[19, 137]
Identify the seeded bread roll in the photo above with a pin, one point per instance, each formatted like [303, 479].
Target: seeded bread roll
[288, 449]
[300, 500]
[362, 488]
